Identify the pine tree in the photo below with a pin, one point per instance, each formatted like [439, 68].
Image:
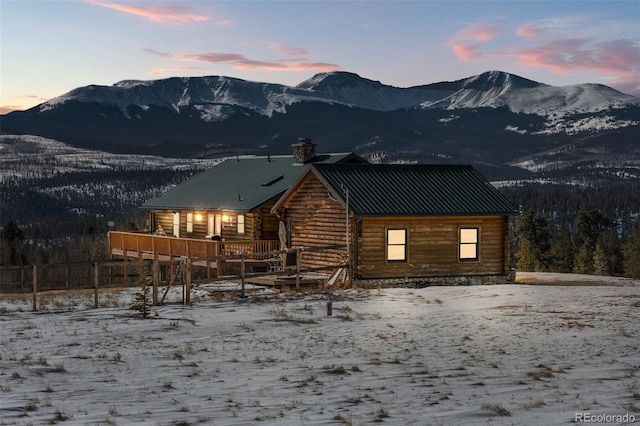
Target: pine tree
[589, 227]
[631, 253]
[600, 261]
[142, 299]
[583, 263]
[533, 231]
[561, 253]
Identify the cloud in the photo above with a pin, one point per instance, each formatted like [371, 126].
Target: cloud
[530, 30]
[465, 52]
[481, 32]
[561, 45]
[162, 14]
[465, 44]
[288, 50]
[241, 62]
[620, 59]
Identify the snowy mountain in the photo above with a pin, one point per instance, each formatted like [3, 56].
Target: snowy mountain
[495, 120]
[215, 97]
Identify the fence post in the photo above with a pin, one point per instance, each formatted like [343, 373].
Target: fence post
[96, 278]
[242, 266]
[155, 277]
[187, 281]
[35, 287]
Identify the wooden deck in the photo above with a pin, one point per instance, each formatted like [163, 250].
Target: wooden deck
[205, 253]
[146, 246]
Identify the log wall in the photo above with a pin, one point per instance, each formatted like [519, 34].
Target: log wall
[316, 220]
[258, 225]
[432, 247]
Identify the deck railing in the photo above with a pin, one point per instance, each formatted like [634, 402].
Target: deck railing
[128, 242]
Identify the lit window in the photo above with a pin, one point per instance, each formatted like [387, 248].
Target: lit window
[240, 224]
[189, 222]
[468, 243]
[396, 245]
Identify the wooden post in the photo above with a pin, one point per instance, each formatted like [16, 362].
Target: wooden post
[242, 273]
[218, 253]
[125, 270]
[22, 280]
[35, 287]
[96, 279]
[155, 277]
[66, 275]
[298, 253]
[187, 282]
[110, 265]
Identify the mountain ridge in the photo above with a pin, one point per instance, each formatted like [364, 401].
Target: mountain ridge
[500, 121]
[492, 89]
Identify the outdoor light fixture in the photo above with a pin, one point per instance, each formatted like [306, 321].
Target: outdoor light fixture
[198, 217]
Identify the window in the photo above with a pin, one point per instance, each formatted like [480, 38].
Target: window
[240, 224]
[189, 222]
[468, 243]
[396, 245]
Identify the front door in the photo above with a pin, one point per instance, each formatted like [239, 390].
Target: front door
[214, 224]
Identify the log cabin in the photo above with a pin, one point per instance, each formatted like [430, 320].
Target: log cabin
[233, 200]
[230, 202]
[408, 225]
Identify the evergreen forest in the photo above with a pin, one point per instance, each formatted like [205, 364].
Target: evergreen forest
[561, 228]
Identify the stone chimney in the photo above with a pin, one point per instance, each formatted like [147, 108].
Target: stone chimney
[304, 150]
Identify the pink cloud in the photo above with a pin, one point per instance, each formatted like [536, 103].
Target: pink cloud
[530, 30]
[557, 45]
[616, 57]
[465, 52]
[465, 44]
[288, 50]
[479, 32]
[161, 14]
[240, 61]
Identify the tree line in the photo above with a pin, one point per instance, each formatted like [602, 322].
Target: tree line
[592, 244]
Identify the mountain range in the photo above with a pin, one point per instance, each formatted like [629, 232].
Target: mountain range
[507, 125]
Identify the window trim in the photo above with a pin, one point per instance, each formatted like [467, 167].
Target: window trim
[405, 245]
[462, 244]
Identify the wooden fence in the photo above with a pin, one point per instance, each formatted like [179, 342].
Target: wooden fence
[103, 274]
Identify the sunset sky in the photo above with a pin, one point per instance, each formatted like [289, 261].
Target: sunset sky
[51, 47]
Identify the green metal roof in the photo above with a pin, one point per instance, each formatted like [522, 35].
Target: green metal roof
[413, 190]
[239, 184]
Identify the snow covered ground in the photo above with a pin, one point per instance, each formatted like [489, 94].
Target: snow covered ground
[501, 355]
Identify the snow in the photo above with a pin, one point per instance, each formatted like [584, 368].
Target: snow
[438, 355]
[48, 157]
[491, 89]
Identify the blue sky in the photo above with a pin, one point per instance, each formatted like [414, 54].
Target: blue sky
[50, 47]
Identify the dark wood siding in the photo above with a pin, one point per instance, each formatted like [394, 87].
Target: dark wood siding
[316, 220]
[432, 247]
[269, 223]
[164, 221]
